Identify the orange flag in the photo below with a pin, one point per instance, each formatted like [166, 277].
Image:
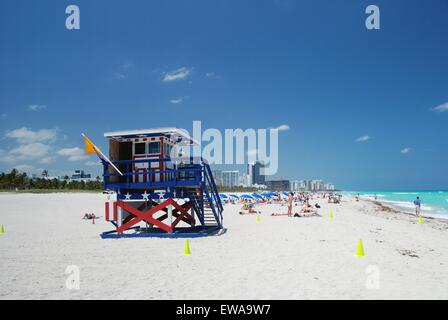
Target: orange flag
[90, 147]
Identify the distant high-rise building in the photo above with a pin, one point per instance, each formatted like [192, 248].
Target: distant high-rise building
[217, 175]
[278, 185]
[329, 187]
[250, 174]
[245, 180]
[312, 185]
[296, 185]
[258, 173]
[316, 185]
[80, 174]
[230, 178]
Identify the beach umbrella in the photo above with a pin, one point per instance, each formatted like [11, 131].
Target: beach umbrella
[222, 195]
[246, 196]
[233, 196]
[256, 195]
[266, 194]
[286, 193]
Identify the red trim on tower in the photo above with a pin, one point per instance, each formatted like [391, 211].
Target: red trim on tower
[107, 210]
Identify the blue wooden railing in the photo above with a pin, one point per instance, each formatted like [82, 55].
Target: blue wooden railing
[182, 174]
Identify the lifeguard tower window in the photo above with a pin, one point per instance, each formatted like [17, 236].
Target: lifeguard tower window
[140, 148]
[153, 147]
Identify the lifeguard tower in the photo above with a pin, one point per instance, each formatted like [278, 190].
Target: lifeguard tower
[158, 191]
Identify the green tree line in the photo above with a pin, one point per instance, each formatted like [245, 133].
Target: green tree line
[16, 180]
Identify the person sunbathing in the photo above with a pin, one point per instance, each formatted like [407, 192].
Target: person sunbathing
[89, 216]
[302, 215]
[248, 208]
[307, 210]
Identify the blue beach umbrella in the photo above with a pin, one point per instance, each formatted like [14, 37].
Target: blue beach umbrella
[222, 195]
[233, 196]
[256, 195]
[246, 196]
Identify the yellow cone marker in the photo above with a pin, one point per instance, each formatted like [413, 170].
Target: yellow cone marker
[2, 229]
[360, 250]
[187, 248]
[420, 220]
[258, 218]
[331, 215]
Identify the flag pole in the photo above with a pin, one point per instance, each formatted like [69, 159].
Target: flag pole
[100, 154]
[107, 159]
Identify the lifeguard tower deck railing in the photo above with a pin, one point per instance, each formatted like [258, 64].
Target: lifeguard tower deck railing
[188, 178]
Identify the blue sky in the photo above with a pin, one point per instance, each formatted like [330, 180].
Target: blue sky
[310, 65]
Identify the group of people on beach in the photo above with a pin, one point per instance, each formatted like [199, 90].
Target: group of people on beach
[306, 210]
[293, 199]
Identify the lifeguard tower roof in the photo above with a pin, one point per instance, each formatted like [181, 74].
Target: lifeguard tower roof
[180, 136]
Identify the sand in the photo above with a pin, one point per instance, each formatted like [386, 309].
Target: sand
[277, 258]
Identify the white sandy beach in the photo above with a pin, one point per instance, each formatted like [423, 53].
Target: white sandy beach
[278, 258]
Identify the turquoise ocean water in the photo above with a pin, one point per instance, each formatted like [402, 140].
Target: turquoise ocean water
[434, 203]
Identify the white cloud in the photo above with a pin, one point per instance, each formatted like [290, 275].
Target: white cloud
[4, 115]
[362, 138]
[283, 127]
[6, 157]
[25, 135]
[72, 154]
[178, 74]
[30, 151]
[47, 160]
[119, 76]
[211, 75]
[92, 163]
[177, 100]
[127, 65]
[37, 107]
[405, 150]
[441, 108]
[122, 72]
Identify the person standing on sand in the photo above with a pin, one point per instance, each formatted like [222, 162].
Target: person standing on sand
[290, 198]
[418, 204]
